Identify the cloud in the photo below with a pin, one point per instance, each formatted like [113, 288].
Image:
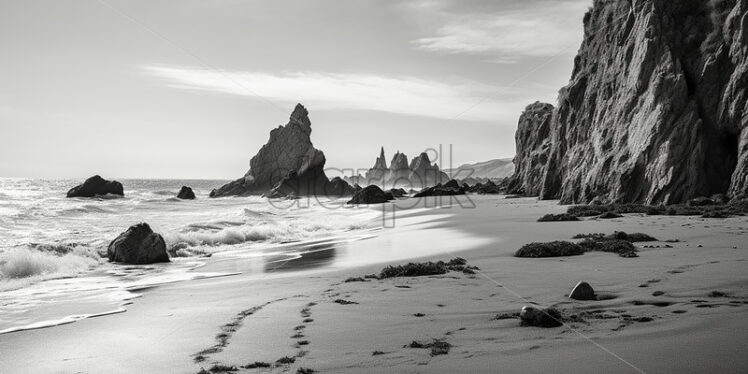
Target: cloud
[537, 29]
[333, 91]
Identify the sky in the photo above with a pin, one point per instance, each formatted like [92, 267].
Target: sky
[191, 89]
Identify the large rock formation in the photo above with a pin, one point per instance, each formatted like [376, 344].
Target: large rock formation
[423, 173]
[138, 245]
[96, 186]
[399, 171]
[287, 164]
[420, 173]
[533, 146]
[655, 109]
[378, 172]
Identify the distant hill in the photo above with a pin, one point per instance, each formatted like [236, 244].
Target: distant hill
[494, 169]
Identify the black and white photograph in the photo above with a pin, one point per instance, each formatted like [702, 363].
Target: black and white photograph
[373, 186]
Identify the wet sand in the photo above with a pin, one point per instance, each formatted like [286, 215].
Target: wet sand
[310, 315]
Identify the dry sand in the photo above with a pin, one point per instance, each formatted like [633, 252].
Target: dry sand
[241, 319]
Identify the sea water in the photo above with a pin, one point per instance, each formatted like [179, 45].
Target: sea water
[53, 267]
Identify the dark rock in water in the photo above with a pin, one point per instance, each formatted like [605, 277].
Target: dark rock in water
[234, 188]
[287, 163]
[357, 188]
[138, 245]
[370, 195]
[451, 188]
[397, 192]
[186, 193]
[700, 201]
[338, 187]
[312, 181]
[533, 145]
[582, 291]
[654, 111]
[96, 186]
[531, 316]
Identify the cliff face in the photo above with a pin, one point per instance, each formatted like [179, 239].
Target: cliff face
[287, 164]
[655, 108]
[533, 147]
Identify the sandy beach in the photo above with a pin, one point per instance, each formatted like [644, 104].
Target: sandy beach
[312, 317]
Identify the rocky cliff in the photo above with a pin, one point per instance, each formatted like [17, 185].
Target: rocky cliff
[287, 165]
[533, 148]
[655, 110]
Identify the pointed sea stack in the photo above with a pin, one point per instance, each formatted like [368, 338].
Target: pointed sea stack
[287, 164]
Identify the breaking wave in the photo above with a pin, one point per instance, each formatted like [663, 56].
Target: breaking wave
[24, 265]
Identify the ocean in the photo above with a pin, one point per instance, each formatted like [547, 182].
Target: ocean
[51, 247]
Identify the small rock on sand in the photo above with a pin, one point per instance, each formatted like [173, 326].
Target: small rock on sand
[582, 291]
[548, 317]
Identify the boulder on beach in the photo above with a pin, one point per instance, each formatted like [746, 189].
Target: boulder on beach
[531, 316]
[96, 186]
[186, 193]
[582, 291]
[138, 245]
[371, 194]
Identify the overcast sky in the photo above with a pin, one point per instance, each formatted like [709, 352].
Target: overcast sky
[191, 89]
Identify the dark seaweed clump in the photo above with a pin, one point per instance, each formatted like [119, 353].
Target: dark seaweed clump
[417, 269]
[558, 217]
[549, 249]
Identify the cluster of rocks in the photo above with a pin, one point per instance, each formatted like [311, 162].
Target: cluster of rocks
[551, 317]
[97, 186]
[139, 244]
[654, 111]
[419, 173]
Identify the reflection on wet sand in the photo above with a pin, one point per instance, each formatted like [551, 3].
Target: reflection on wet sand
[302, 257]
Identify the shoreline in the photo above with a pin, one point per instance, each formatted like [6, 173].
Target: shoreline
[170, 324]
